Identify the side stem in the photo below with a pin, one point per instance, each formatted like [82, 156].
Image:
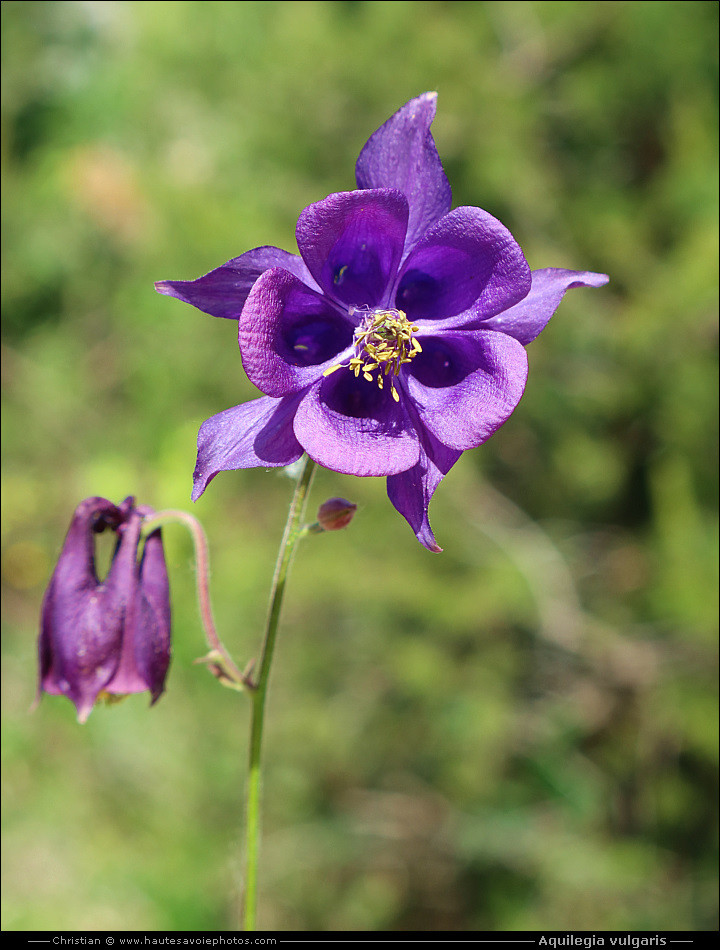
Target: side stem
[293, 533]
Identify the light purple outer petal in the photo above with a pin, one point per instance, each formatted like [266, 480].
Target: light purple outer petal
[402, 155]
[465, 414]
[256, 434]
[223, 292]
[277, 294]
[379, 444]
[352, 243]
[468, 259]
[528, 318]
[410, 492]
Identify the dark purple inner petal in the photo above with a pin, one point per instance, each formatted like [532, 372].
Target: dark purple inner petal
[352, 243]
[307, 339]
[468, 259]
[354, 396]
[350, 425]
[441, 363]
[467, 385]
[287, 331]
[442, 282]
[418, 294]
[359, 263]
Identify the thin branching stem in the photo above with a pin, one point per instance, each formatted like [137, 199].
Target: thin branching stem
[225, 669]
[293, 533]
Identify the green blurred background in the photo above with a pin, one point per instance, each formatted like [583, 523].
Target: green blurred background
[516, 734]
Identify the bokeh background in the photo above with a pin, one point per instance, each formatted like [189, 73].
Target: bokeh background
[516, 734]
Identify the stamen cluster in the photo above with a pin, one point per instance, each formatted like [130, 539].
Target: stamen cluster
[384, 341]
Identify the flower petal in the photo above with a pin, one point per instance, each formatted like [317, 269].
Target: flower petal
[350, 425]
[465, 385]
[71, 586]
[146, 637]
[83, 619]
[223, 292]
[257, 433]
[288, 334]
[526, 319]
[352, 243]
[76, 564]
[153, 657]
[402, 155]
[468, 259]
[411, 491]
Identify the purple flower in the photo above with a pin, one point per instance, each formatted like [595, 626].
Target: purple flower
[394, 342]
[110, 637]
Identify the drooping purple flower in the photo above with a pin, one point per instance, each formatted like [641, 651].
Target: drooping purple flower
[394, 342]
[111, 636]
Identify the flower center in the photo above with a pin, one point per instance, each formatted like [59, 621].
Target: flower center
[383, 342]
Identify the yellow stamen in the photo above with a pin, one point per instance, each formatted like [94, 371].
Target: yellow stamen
[332, 369]
[384, 342]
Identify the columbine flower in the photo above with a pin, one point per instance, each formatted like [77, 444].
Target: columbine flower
[109, 637]
[394, 342]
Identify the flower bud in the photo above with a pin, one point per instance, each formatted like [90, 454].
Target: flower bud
[110, 636]
[335, 513]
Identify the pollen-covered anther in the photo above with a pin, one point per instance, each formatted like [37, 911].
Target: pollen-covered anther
[384, 341]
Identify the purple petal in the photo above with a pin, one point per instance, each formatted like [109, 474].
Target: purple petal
[76, 564]
[257, 433]
[289, 334]
[352, 243]
[146, 638]
[350, 425]
[468, 259]
[411, 491]
[526, 319]
[86, 620]
[152, 647]
[47, 675]
[223, 292]
[402, 155]
[69, 597]
[466, 385]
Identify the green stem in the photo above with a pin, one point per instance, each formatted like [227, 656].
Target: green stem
[293, 533]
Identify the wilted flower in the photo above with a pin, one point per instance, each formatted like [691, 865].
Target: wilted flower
[394, 342]
[111, 636]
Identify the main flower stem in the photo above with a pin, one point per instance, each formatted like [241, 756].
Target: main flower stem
[293, 533]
